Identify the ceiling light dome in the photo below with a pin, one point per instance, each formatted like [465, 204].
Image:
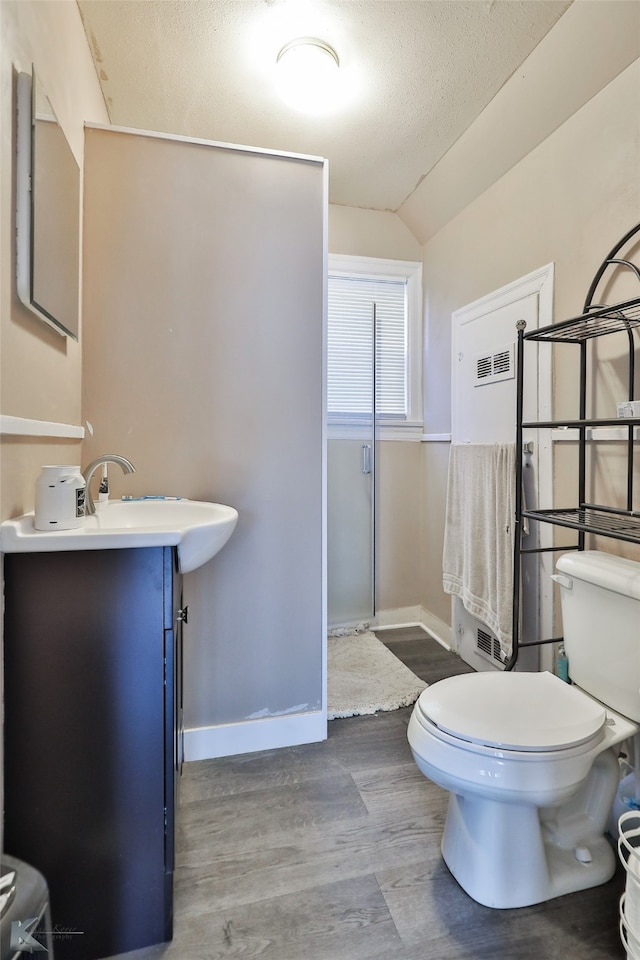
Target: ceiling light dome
[308, 75]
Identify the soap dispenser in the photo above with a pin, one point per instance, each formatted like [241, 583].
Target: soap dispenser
[60, 493]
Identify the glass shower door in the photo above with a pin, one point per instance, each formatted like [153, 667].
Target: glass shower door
[350, 497]
[351, 463]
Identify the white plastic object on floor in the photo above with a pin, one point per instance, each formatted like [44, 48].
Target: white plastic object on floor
[629, 852]
[630, 943]
[625, 798]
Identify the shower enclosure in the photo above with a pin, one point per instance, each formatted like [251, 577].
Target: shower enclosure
[374, 394]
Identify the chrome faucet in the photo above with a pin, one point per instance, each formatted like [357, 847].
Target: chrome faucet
[127, 467]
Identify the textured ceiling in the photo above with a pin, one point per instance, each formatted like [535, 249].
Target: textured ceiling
[422, 69]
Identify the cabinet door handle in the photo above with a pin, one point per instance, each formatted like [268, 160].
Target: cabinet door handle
[183, 615]
[366, 458]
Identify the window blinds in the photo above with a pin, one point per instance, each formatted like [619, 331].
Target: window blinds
[350, 374]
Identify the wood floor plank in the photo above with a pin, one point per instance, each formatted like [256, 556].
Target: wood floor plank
[428, 659]
[277, 864]
[364, 743]
[225, 776]
[401, 788]
[257, 813]
[429, 907]
[345, 919]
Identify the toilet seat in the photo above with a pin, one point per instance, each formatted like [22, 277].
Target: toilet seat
[523, 712]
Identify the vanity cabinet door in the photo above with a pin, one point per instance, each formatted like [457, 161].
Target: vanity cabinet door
[88, 654]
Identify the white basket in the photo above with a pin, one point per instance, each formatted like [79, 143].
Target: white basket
[629, 853]
[630, 943]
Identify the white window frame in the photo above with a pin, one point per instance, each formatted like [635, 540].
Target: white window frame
[411, 271]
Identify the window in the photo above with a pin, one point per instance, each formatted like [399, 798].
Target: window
[360, 288]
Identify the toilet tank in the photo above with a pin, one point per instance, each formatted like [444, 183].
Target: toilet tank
[600, 598]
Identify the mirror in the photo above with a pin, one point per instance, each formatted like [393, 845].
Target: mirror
[47, 214]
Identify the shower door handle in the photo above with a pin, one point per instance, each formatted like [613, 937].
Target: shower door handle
[366, 457]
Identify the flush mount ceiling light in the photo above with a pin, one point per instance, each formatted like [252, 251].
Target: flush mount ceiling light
[308, 75]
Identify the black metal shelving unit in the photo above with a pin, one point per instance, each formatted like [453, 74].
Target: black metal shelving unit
[619, 523]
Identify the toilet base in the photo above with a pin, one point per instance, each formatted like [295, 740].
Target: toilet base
[508, 855]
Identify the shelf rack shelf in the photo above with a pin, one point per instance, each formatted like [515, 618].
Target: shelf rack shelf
[596, 320]
[590, 519]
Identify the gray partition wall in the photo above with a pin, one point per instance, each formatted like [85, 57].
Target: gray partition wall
[203, 363]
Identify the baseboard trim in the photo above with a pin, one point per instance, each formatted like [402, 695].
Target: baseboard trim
[415, 617]
[438, 629]
[269, 733]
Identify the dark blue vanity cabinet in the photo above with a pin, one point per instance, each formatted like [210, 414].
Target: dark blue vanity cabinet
[92, 661]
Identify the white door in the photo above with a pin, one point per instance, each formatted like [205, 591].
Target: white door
[484, 411]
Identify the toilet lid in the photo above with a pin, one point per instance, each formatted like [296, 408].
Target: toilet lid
[514, 711]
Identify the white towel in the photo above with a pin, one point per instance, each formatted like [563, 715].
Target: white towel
[477, 561]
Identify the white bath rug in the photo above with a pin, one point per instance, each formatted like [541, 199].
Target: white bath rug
[364, 677]
[362, 627]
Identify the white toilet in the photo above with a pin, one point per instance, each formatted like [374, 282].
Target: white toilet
[531, 762]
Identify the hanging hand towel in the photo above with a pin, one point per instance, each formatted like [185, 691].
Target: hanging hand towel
[478, 541]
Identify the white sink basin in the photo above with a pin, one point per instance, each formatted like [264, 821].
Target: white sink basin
[198, 529]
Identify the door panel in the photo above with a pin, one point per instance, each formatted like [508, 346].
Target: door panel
[484, 411]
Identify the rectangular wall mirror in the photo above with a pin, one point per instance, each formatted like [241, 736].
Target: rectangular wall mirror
[48, 212]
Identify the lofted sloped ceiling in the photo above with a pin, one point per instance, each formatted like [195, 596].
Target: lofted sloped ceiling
[424, 69]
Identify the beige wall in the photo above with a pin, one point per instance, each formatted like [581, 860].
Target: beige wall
[435, 462]
[398, 543]
[203, 302]
[370, 233]
[569, 201]
[590, 45]
[40, 372]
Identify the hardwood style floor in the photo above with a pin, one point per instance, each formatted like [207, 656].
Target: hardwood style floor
[331, 851]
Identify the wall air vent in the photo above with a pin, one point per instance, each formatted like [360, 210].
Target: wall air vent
[492, 367]
[502, 362]
[484, 368]
[488, 646]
